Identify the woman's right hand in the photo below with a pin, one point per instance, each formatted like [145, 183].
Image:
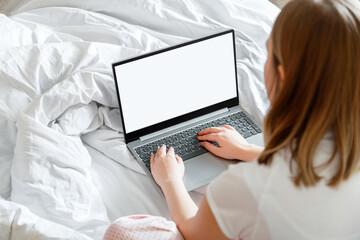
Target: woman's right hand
[231, 144]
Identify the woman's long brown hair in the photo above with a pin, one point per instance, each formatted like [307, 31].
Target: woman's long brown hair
[318, 44]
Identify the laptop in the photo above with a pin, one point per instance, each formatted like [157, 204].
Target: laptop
[168, 96]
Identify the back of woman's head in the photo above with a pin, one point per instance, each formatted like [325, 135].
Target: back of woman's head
[318, 44]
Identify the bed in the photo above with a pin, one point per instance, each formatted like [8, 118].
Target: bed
[65, 170]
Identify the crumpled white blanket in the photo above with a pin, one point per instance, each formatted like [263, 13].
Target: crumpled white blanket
[17, 222]
[57, 93]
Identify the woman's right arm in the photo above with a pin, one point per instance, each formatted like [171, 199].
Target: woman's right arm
[231, 144]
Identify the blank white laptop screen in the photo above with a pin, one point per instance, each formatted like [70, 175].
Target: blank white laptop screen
[170, 84]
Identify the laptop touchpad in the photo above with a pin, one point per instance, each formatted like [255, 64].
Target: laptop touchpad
[199, 170]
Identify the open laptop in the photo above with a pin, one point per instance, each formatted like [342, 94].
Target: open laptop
[168, 96]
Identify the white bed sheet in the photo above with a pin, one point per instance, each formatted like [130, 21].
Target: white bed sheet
[70, 169]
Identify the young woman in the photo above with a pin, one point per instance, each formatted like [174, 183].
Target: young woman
[305, 184]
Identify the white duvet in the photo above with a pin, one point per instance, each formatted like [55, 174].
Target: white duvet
[59, 111]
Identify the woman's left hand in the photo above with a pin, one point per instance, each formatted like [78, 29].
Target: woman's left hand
[166, 167]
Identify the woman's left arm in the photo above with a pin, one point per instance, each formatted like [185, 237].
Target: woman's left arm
[193, 223]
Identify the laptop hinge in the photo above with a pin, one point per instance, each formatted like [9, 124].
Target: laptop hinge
[180, 125]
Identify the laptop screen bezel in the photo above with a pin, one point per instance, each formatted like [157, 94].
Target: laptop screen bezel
[132, 136]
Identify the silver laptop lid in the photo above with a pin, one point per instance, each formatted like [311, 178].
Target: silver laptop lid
[169, 86]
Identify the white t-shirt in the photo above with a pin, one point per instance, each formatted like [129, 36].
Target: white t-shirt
[252, 201]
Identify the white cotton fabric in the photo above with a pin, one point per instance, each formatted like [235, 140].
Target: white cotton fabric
[252, 201]
[17, 222]
[62, 151]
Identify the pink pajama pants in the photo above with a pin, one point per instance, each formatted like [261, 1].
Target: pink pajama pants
[142, 227]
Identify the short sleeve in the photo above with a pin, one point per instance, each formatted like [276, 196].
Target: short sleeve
[233, 199]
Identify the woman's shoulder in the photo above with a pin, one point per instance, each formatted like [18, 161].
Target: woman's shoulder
[257, 177]
[253, 177]
[280, 164]
[234, 197]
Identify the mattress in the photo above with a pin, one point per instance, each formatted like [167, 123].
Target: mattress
[65, 170]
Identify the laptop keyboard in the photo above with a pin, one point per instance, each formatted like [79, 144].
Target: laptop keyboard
[187, 146]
